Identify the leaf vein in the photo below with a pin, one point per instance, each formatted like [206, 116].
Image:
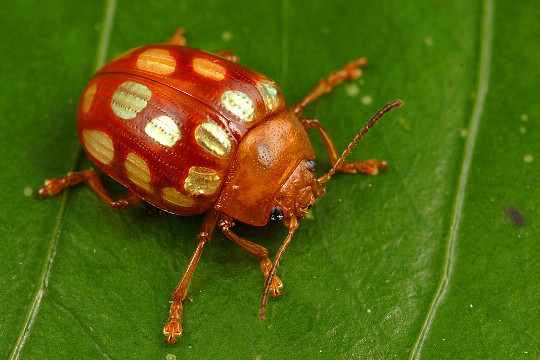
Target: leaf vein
[43, 280]
[83, 328]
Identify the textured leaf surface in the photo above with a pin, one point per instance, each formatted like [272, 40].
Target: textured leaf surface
[394, 266]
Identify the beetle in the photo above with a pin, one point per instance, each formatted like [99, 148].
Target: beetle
[192, 132]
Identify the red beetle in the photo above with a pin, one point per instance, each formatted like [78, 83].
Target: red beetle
[193, 132]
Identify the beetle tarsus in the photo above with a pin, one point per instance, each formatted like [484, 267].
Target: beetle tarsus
[173, 327]
[353, 68]
[49, 189]
[369, 167]
[53, 187]
[275, 284]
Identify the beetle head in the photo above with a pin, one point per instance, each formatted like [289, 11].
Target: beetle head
[298, 194]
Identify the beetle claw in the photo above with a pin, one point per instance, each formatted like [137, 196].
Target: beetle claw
[171, 330]
[276, 286]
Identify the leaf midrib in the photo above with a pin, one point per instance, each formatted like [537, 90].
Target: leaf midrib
[450, 252]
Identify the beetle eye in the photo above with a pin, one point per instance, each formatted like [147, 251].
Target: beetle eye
[312, 166]
[276, 215]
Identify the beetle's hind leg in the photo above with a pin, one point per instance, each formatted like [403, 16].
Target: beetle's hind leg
[225, 223]
[91, 178]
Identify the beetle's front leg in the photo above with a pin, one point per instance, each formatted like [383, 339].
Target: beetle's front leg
[179, 38]
[225, 223]
[351, 70]
[370, 167]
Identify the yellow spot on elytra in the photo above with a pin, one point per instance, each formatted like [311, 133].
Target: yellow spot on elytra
[213, 139]
[88, 97]
[209, 69]
[99, 145]
[137, 171]
[157, 61]
[239, 104]
[201, 181]
[177, 198]
[164, 130]
[269, 93]
[129, 99]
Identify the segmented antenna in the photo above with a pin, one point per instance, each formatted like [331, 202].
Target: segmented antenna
[379, 114]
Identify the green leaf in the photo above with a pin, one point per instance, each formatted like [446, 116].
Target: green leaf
[435, 258]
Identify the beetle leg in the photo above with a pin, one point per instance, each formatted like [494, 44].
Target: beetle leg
[225, 223]
[91, 178]
[173, 327]
[178, 37]
[349, 71]
[227, 54]
[370, 167]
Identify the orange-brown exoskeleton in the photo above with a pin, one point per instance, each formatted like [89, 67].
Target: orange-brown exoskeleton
[192, 132]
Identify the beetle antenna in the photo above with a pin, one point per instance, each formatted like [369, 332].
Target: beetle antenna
[379, 114]
[293, 225]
